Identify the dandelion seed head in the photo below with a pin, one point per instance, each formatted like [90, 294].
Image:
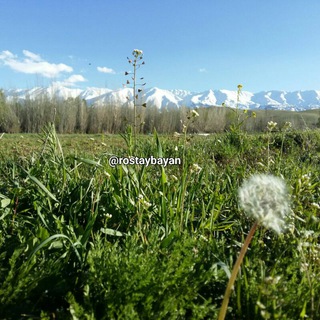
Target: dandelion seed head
[265, 198]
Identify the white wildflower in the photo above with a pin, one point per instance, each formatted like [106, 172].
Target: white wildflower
[194, 113]
[287, 125]
[271, 125]
[265, 198]
[306, 176]
[304, 267]
[184, 128]
[174, 177]
[261, 305]
[272, 280]
[137, 53]
[145, 203]
[195, 168]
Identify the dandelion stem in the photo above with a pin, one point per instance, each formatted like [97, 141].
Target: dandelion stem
[235, 271]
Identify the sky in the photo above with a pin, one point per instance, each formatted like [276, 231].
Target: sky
[194, 45]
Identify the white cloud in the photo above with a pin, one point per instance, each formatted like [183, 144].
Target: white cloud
[105, 70]
[71, 81]
[75, 78]
[32, 56]
[203, 70]
[6, 55]
[32, 63]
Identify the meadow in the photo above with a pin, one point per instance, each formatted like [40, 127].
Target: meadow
[82, 240]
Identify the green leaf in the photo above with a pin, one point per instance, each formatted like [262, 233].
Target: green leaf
[163, 177]
[112, 232]
[43, 187]
[89, 161]
[224, 267]
[168, 241]
[45, 242]
[5, 202]
[56, 245]
[159, 147]
[303, 311]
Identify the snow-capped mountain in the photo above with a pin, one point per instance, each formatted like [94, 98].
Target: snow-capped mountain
[160, 98]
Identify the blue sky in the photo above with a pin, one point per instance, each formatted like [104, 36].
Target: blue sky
[188, 44]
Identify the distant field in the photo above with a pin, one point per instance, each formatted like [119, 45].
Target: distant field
[24, 144]
[300, 120]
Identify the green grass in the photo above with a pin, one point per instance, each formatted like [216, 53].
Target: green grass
[82, 240]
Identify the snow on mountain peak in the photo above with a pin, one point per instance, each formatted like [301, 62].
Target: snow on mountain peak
[160, 98]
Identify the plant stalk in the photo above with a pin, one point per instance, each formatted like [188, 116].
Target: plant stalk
[235, 271]
[135, 103]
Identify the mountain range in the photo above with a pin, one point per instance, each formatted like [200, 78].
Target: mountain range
[166, 99]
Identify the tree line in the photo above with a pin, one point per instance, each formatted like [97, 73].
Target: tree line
[74, 115]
